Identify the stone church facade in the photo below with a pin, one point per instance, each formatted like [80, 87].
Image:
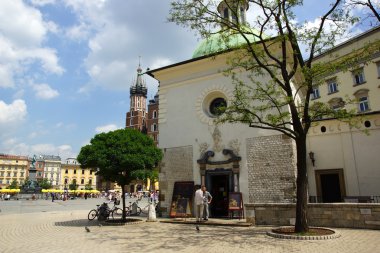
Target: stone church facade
[261, 164]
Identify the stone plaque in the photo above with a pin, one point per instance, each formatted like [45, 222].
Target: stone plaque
[365, 211]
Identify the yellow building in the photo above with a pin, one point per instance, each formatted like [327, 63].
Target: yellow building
[72, 172]
[343, 164]
[13, 167]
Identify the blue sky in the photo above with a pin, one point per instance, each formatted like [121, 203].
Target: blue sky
[66, 67]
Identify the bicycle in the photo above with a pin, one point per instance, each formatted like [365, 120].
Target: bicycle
[145, 209]
[129, 210]
[115, 212]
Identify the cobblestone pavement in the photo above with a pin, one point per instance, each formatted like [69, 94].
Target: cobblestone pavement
[64, 231]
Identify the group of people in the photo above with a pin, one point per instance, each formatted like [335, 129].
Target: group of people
[202, 201]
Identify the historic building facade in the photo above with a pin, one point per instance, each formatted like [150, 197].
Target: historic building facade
[13, 167]
[72, 173]
[345, 166]
[228, 157]
[136, 117]
[261, 163]
[141, 119]
[52, 169]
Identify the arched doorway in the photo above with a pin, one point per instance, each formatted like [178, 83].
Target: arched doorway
[220, 178]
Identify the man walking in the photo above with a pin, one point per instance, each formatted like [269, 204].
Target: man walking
[206, 202]
[198, 199]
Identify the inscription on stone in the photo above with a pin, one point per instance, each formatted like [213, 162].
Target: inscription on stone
[365, 211]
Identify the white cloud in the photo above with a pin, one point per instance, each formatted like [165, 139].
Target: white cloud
[14, 146]
[44, 91]
[160, 62]
[42, 2]
[6, 78]
[23, 32]
[12, 113]
[78, 32]
[106, 128]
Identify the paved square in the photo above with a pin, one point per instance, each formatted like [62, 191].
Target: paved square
[64, 231]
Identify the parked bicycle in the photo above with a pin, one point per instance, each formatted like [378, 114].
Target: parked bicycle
[134, 209]
[145, 209]
[103, 212]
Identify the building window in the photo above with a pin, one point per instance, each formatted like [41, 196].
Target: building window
[66, 171]
[315, 93]
[154, 114]
[336, 103]
[90, 181]
[90, 172]
[82, 181]
[65, 180]
[217, 106]
[15, 174]
[332, 86]
[22, 174]
[75, 171]
[358, 76]
[363, 104]
[82, 172]
[154, 128]
[225, 13]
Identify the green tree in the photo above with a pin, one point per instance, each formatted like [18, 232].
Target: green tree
[144, 175]
[45, 183]
[73, 186]
[273, 79]
[118, 153]
[14, 185]
[88, 187]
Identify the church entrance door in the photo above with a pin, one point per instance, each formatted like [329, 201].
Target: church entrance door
[219, 184]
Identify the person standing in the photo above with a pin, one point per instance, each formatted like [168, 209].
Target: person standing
[206, 202]
[198, 199]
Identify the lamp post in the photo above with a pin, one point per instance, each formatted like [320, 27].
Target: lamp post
[312, 158]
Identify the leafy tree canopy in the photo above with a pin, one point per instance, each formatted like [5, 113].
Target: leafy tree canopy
[44, 183]
[14, 185]
[118, 153]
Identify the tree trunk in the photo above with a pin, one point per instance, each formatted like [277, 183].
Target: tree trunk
[302, 183]
[123, 198]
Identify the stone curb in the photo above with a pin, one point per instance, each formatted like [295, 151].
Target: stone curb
[306, 237]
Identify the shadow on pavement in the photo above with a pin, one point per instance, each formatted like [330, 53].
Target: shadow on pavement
[77, 223]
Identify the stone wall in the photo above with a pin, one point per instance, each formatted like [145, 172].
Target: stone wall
[344, 215]
[177, 165]
[271, 169]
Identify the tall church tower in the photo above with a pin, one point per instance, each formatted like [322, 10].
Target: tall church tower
[136, 117]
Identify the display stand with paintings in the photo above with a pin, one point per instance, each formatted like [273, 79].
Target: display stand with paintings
[235, 205]
[183, 208]
[181, 205]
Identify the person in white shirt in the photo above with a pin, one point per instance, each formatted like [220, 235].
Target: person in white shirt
[199, 201]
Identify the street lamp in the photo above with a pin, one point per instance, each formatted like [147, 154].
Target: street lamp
[312, 158]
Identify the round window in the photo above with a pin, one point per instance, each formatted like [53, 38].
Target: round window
[217, 106]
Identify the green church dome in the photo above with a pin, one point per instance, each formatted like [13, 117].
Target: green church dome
[216, 43]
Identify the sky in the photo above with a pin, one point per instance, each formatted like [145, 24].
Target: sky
[66, 67]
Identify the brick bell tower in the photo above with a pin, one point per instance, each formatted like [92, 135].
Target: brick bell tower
[136, 117]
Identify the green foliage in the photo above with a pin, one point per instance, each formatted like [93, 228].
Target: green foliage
[118, 153]
[73, 186]
[88, 187]
[14, 185]
[44, 183]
